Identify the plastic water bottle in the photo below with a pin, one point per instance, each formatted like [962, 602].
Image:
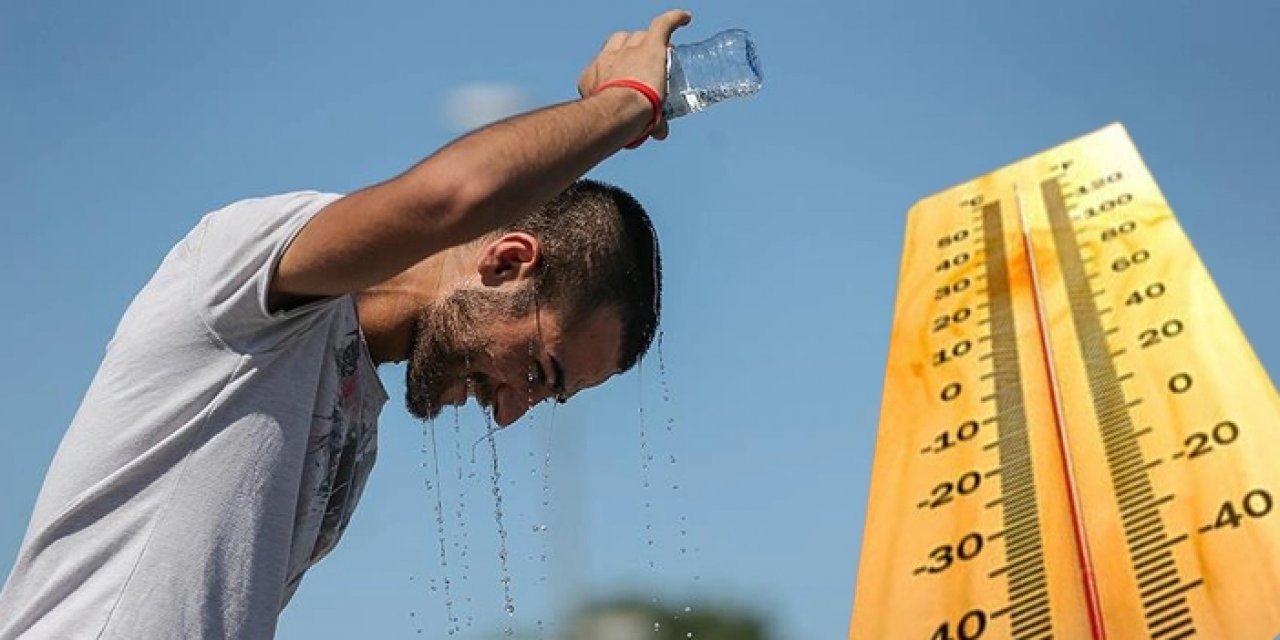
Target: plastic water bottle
[704, 73]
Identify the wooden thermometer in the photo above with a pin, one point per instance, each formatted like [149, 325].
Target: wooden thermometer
[1076, 440]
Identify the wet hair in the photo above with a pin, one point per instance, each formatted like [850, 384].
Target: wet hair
[599, 250]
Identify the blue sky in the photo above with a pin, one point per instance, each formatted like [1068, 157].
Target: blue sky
[781, 221]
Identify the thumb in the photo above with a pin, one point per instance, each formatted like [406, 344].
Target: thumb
[666, 24]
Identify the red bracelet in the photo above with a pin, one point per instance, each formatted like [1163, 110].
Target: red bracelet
[648, 92]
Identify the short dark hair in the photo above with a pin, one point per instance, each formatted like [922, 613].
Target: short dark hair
[599, 250]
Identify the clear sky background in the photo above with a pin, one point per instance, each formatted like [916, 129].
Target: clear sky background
[781, 220]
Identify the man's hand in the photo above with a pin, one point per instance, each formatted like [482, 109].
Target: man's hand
[641, 55]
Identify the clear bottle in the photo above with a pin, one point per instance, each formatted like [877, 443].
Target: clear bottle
[703, 73]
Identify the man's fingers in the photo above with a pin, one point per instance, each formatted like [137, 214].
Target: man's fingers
[666, 24]
[615, 41]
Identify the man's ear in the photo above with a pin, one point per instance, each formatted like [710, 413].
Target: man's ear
[509, 258]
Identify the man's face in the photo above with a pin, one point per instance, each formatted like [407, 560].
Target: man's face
[479, 343]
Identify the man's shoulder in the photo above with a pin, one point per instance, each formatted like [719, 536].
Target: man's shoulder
[277, 204]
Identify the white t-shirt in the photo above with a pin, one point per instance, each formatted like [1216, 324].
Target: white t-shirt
[217, 455]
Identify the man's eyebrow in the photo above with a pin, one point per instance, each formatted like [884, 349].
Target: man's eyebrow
[557, 378]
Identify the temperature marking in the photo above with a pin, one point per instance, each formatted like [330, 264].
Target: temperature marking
[1139, 507]
[1028, 594]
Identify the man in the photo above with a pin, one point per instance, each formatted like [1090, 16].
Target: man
[225, 440]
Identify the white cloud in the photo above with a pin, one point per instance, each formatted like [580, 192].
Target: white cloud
[475, 105]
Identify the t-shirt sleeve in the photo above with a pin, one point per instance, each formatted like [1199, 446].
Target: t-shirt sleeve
[236, 253]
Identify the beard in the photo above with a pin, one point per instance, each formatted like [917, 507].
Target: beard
[447, 340]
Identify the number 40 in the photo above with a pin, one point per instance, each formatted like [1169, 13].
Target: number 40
[971, 626]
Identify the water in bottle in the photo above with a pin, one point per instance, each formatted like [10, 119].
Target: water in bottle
[704, 73]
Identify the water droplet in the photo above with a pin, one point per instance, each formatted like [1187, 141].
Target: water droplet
[495, 475]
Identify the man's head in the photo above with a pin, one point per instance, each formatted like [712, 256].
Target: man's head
[569, 295]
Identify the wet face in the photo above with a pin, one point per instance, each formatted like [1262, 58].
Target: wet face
[488, 345]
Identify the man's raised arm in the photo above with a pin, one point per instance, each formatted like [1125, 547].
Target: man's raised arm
[481, 181]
